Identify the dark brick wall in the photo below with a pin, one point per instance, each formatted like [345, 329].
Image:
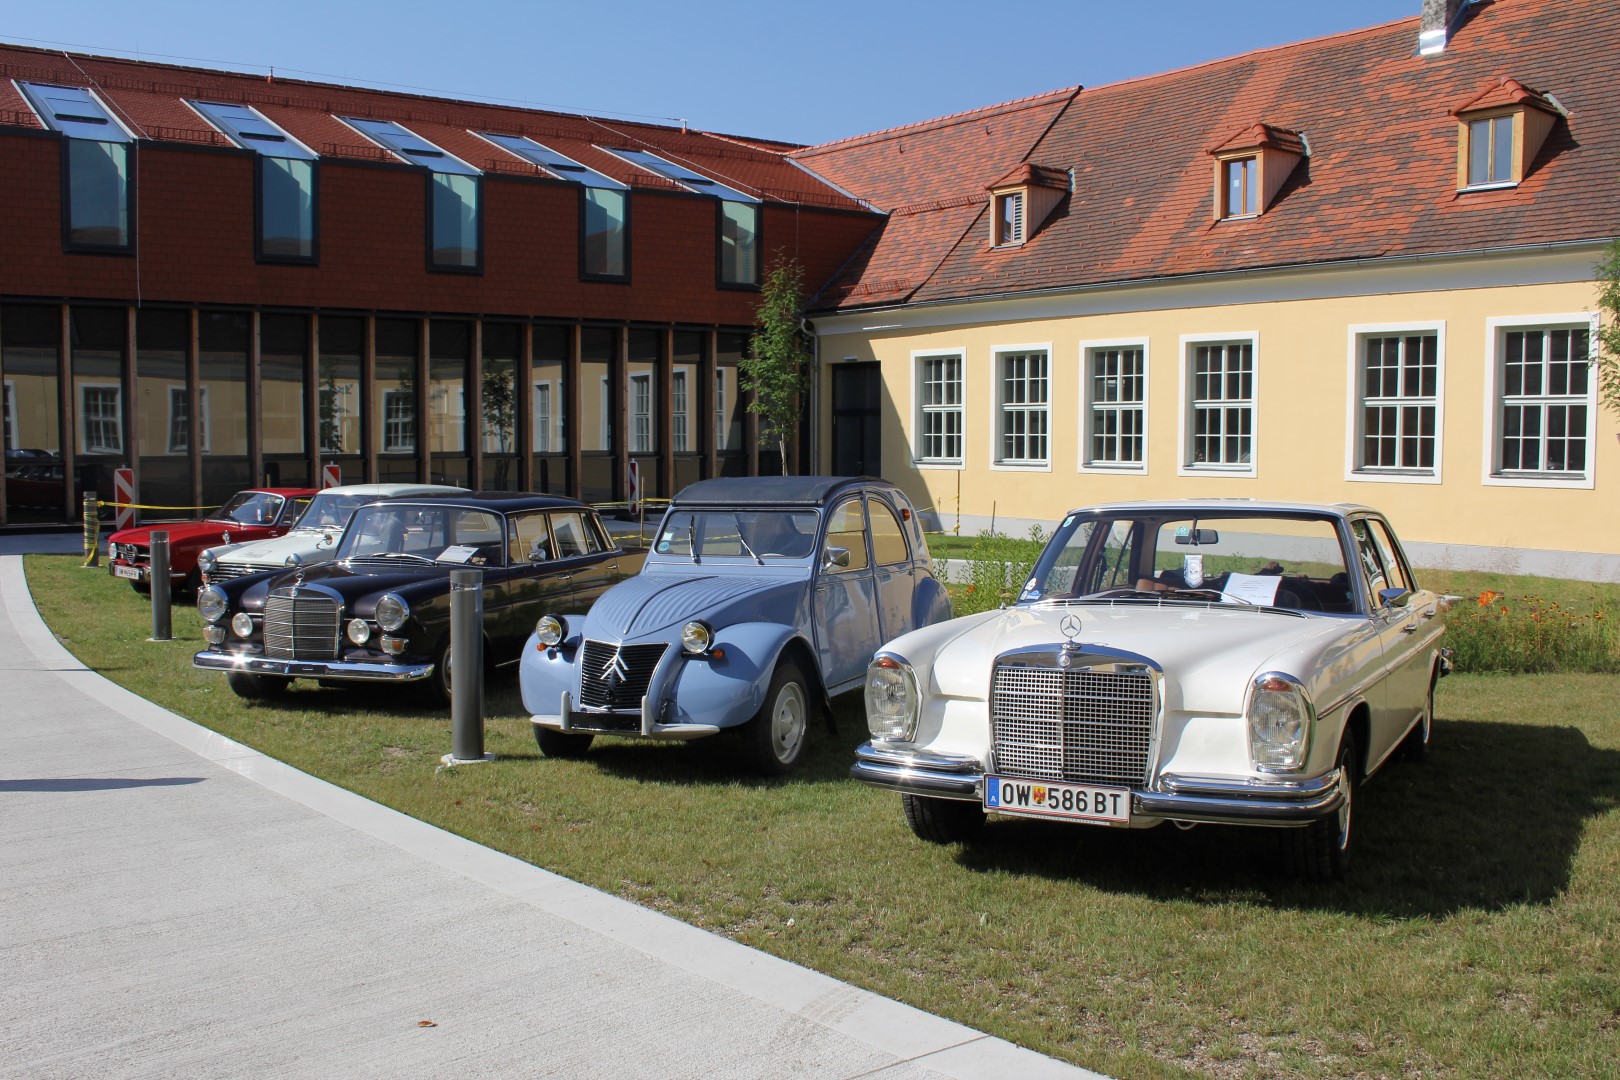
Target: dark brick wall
[194, 221]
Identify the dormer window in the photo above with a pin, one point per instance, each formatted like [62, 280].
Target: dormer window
[1251, 168]
[1499, 134]
[1010, 218]
[1021, 201]
[1242, 186]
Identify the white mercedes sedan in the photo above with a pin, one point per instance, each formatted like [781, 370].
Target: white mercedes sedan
[1218, 661]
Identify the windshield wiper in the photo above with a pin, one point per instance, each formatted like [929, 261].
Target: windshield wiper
[691, 537]
[744, 542]
[401, 555]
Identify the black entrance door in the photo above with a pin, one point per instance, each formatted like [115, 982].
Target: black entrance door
[855, 446]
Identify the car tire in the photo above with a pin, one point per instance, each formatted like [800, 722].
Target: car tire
[1320, 852]
[562, 744]
[942, 821]
[441, 673]
[1415, 747]
[777, 734]
[256, 687]
[192, 585]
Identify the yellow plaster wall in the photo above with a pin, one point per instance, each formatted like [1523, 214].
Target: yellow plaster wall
[1302, 418]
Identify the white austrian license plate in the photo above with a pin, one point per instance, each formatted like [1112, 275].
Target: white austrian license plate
[1072, 802]
[131, 572]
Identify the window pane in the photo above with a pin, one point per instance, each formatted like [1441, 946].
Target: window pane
[455, 220]
[1502, 149]
[98, 193]
[287, 208]
[396, 400]
[739, 242]
[605, 230]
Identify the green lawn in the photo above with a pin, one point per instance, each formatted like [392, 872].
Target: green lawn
[1479, 934]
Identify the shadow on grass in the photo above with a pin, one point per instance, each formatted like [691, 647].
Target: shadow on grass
[1492, 819]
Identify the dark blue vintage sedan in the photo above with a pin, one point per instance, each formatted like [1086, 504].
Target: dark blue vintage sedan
[761, 599]
[380, 610]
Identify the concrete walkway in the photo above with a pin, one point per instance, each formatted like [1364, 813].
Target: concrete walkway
[174, 904]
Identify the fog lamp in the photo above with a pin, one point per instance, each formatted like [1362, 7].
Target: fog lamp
[359, 631]
[242, 624]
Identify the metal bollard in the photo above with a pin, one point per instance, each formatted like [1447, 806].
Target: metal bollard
[466, 657]
[92, 530]
[160, 585]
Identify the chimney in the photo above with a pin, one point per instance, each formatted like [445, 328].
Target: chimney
[1438, 18]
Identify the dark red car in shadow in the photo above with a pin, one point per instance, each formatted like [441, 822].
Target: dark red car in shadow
[251, 514]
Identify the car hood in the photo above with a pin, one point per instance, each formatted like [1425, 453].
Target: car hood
[648, 603]
[310, 545]
[1208, 652]
[349, 584]
[183, 532]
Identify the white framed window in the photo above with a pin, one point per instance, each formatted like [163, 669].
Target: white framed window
[679, 427]
[1542, 402]
[1113, 406]
[1490, 151]
[10, 412]
[1397, 380]
[543, 417]
[1218, 387]
[1023, 399]
[180, 420]
[101, 409]
[937, 392]
[641, 417]
[399, 422]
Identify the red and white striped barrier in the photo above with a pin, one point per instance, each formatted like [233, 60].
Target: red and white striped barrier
[124, 496]
[331, 475]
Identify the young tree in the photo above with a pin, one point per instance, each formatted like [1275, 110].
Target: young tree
[500, 412]
[1607, 360]
[776, 371]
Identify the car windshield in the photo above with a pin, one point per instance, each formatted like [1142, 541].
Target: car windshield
[1292, 561]
[331, 509]
[450, 534]
[748, 533]
[250, 508]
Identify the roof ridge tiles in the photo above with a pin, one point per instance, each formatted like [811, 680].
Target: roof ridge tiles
[949, 120]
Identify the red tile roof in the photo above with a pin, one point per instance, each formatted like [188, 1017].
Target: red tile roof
[1265, 135]
[149, 98]
[1380, 180]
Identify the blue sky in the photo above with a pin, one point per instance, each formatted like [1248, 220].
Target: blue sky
[784, 71]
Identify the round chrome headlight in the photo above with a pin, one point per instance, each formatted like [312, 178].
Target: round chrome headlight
[1280, 721]
[205, 562]
[696, 637]
[548, 630]
[892, 701]
[211, 604]
[242, 625]
[359, 631]
[392, 611]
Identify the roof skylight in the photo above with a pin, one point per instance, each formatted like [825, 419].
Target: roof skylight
[559, 165]
[658, 166]
[410, 146]
[246, 127]
[74, 111]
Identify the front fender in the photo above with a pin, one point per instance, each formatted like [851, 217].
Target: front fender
[544, 673]
[728, 690]
[930, 603]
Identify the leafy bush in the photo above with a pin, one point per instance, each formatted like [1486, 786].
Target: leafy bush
[1530, 635]
[998, 566]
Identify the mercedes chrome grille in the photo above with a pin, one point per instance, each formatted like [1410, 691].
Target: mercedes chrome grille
[301, 626]
[616, 676]
[1079, 724]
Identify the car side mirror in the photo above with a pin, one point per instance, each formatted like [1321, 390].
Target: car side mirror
[1397, 598]
[326, 538]
[835, 556]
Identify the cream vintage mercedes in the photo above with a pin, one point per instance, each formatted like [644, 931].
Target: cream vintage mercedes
[1220, 661]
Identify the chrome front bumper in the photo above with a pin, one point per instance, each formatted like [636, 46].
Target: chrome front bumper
[1213, 800]
[352, 670]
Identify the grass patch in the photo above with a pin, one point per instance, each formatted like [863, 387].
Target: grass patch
[1476, 937]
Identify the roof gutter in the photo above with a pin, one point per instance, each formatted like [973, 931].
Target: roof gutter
[1221, 275]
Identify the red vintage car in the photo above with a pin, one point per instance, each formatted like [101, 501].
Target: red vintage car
[252, 514]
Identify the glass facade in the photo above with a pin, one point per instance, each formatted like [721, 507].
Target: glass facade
[180, 402]
[283, 366]
[604, 247]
